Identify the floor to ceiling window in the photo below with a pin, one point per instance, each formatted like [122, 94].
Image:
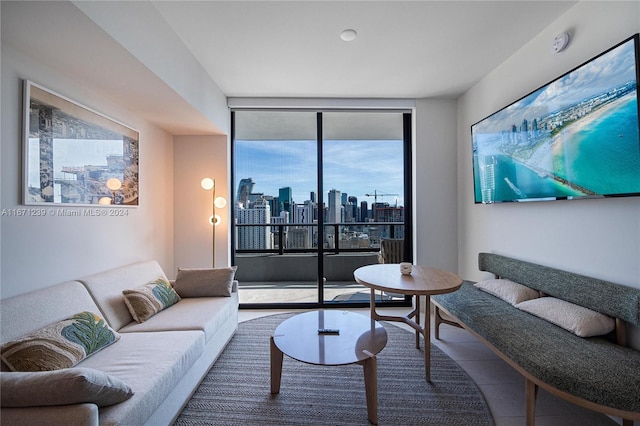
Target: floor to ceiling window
[315, 194]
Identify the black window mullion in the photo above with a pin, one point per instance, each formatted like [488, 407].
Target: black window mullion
[319, 138]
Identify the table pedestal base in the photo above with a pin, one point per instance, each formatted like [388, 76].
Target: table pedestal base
[370, 367]
[415, 324]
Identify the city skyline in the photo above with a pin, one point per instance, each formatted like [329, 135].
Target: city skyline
[354, 167]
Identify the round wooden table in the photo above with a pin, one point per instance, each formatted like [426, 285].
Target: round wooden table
[423, 281]
[358, 340]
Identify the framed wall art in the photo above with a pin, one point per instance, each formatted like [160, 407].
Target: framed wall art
[74, 155]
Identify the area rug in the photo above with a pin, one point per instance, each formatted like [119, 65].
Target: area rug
[236, 391]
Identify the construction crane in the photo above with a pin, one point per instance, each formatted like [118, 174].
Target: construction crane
[375, 196]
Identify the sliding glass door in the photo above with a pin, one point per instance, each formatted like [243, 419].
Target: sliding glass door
[363, 178]
[315, 193]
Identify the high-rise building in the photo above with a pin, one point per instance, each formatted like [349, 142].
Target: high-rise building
[245, 188]
[298, 238]
[364, 211]
[282, 219]
[254, 237]
[352, 208]
[334, 214]
[285, 200]
[304, 214]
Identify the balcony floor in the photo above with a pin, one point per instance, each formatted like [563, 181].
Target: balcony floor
[303, 292]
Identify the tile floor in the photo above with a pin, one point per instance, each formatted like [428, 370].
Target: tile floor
[501, 385]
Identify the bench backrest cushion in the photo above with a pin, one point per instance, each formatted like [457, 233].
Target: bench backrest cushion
[612, 299]
[106, 288]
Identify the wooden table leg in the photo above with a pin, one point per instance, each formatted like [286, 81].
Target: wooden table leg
[417, 311]
[370, 366]
[427, 337]
[276, 367]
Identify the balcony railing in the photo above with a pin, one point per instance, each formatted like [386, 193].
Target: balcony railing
[353, 237]
[283, 265]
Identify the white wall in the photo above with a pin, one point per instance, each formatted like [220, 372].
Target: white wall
[197, 157]
[141, 29]
[436, 228]
[599, 238]
[38, 252]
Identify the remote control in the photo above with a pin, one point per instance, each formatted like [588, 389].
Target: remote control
[328, 331]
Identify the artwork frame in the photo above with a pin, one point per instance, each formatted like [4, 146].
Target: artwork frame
[74, 155]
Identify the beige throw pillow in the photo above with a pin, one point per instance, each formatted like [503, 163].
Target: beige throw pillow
[149, 299]
[577, 319]
[62, 387]
[508, 290]
[60, 345]
[205, 282]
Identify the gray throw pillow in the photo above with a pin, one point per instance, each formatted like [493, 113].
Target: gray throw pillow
[62, 387]
[205, 282]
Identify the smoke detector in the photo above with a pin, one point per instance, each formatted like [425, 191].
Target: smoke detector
[560, 42]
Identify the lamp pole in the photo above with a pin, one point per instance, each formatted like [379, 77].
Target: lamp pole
[213, 225]
[210, 184]
[220, 202]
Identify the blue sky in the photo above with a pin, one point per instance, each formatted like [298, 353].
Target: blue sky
[356, 167]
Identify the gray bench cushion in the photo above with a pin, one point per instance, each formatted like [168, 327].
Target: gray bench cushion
[593, 369]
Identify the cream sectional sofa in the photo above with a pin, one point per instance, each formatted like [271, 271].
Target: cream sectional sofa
[162, 359]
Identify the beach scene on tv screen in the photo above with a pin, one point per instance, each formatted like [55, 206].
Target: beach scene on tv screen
[575, 137]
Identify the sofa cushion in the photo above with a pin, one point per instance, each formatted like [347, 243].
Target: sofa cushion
[26, 313]
[580, 321]
[152, 364]
[149, 299]
[62, 387]
[59, 345]
[202, 313]
[205, 282]
[106, 288]
[508, 290]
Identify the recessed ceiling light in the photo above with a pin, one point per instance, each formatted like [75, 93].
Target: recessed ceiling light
[348, 35]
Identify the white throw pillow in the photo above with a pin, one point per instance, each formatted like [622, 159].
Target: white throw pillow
[574, 318]
[508, 290]
[62, 387]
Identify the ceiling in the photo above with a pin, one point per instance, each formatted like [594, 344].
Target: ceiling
[404, 49]
[284, 49]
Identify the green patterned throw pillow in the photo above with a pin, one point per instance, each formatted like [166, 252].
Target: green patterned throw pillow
[60, 345]
[146, 301]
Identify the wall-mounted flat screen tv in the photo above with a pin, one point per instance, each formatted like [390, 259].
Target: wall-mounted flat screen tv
[576, 137]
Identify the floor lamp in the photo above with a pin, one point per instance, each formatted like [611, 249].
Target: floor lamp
[209, 184]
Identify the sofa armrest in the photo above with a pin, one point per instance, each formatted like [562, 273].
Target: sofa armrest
[59, 415]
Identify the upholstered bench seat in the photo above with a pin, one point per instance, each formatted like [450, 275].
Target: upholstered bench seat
[593, 368]
[600, 373]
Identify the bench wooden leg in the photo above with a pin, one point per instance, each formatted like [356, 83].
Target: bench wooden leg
[439, 319]
[530, 394]
[627, 422]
